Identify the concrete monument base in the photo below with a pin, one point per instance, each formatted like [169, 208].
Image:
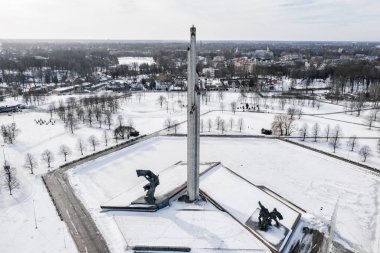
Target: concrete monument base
[173, 184]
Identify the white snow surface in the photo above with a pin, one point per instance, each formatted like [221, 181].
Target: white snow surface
[306, 178]
[200, 227]
[138, 60]
[360, 194]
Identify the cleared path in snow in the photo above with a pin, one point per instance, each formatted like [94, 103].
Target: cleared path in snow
[82, 228]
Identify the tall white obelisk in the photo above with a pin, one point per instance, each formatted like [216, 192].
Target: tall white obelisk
[193, 112]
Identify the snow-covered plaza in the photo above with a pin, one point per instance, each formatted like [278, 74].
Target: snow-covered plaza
[312, 181]
[308, 179]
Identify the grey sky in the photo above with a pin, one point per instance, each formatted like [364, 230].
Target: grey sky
[170, 19]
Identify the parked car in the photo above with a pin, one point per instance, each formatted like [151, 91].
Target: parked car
[266, 131]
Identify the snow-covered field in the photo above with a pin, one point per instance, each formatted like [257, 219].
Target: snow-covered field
[148, 116]
[311, 180]
[138, 60]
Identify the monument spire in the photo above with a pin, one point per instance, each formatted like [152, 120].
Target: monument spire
[193, 103]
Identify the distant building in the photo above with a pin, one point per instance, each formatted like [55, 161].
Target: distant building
[209, 72]
[263, 54]
[161, 85]
[64, 90]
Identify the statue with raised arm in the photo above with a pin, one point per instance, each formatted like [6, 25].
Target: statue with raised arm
[266, 217]
[151, 186]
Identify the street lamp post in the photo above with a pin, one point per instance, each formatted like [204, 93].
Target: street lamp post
[35, 219]
[3, 145]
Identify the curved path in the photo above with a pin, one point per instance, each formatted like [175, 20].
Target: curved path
[82, 228]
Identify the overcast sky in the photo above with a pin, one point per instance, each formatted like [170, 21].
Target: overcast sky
[170, 19]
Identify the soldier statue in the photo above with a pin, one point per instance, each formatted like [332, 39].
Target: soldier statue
[266, 217]
[151, 186]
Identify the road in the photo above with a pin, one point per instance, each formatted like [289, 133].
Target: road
[82, 228]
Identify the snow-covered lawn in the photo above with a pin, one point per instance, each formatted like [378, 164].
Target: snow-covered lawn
[138, 60]
[309, 179]
[147, 116]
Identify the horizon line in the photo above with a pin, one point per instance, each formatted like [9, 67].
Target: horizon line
[177, 40]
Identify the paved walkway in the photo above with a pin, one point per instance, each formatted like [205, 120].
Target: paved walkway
[82, 228]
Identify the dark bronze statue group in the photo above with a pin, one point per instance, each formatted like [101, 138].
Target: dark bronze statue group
[151, 186]
[266, 217]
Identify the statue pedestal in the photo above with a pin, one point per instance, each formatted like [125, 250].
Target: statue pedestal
[160, 202]
[172, 184]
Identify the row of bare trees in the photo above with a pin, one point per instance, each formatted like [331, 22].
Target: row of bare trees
[10, 181]
[9, 132]
[333, 137]
[64, 151]
[220, 125]
[92, 110]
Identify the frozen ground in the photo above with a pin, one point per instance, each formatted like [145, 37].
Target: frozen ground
[242, 203]
[201, 227]
[308, 179]
[138, 60]
[148, 117]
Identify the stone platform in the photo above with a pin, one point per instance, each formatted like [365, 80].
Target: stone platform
[230, 203]
[172, 183]
[239, 198]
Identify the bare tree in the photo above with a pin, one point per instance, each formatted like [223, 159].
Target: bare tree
[138, 96]
[51, 109]
[106, 137]
[80, 114]
[93, 141]
[241, 124]
[327, 132]
[351, 142]
[220, 94]
[71, 122]
[231, 123]
[9, 132]
[365, 151]
[335, 137]
[48, 157]
[100, 120]
[209, 124]
[299, 112]
[108, 118]
[176, 126]
[217, 122]
[278, 125]
[222, 107]
[168, 123]
[370, 119]
[167, 106]
[131, 123]
[315, 131]
[291, 112]
[81, 146]
[359, 105]
[30, 163]
[222, 125]
[64, 151]
[90, 115]
[283, 125]
[120, 119]
[233, 107]
[180, 103]
[303, 131]
[161, 100]
[9, 178]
